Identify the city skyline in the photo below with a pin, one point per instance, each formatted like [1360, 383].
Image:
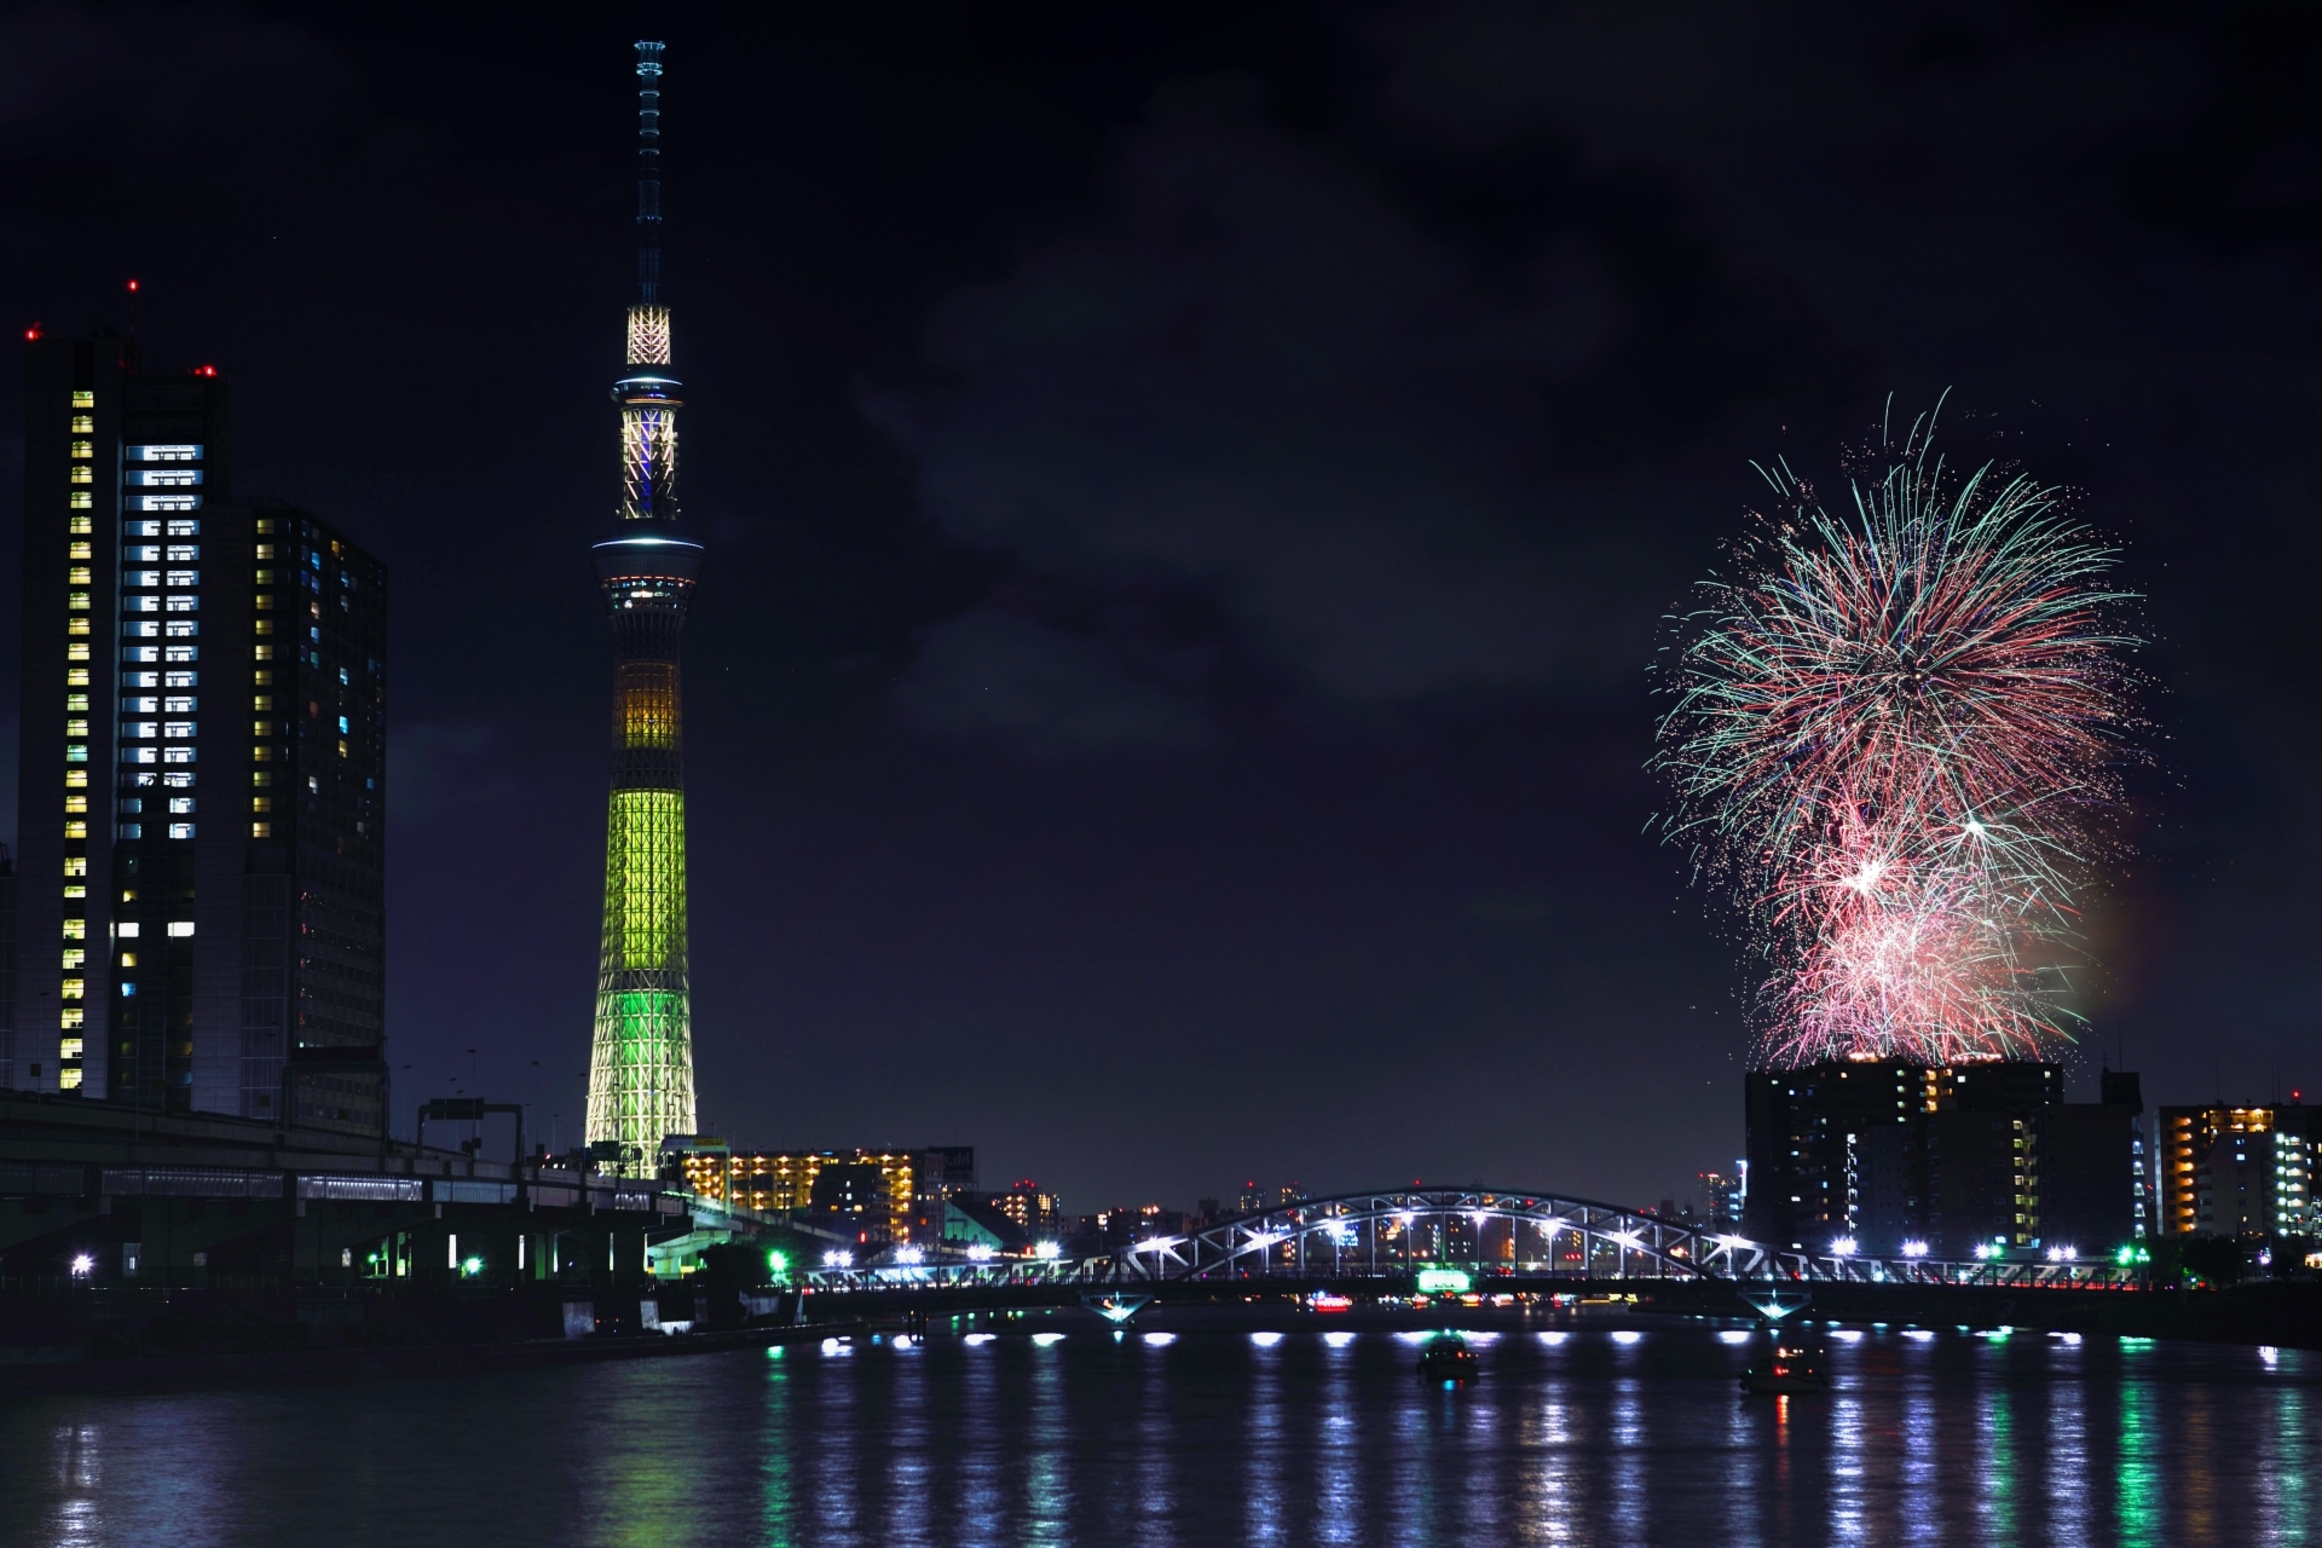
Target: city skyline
[1030, 787]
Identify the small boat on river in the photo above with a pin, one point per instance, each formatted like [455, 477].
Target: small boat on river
[1448, 1360]
[1793, 1366]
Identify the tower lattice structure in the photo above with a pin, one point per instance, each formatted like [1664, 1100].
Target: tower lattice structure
[641, 1055]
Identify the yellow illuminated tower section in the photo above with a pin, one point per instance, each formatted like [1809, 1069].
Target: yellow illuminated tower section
[641, 1056]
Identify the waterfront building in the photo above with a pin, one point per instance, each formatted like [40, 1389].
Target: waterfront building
[641, 1048]
[2233, 1171]
[202, 777]
[896, 1193]
[1952, 1161]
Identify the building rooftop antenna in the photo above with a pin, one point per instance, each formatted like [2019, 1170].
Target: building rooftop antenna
[649, 172]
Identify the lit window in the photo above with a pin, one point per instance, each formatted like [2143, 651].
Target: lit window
[84, 398]
[76, 601]
[262, 803]
[76, 728]
[180, 652]
[82, 500]
[181, 927]
[76, 929]
[180, 704]
[176, 452]
[140, 577]
[185, 604]
[181, 830]
[181, 679]
[143, 553]
[81, 551]
[71, 1018]
[262, 701]
[175, 755]
[265, 551]
[70, 989]
[76, 752]
[78, 575]
[140, 729]
[342, 725]
[265, 577]
[144, 704]
[78, 830]
[76, 701]
[79, 803]
[84, 449]
[128, 960]
[84, 475]
[183, 628]
[183, 553]
[186, 528]
[262, 830]
[84, 424]
[178, 781]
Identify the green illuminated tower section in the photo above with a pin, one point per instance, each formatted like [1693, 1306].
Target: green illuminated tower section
[641, 1057]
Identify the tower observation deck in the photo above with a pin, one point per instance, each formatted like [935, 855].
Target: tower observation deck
[641, 1054]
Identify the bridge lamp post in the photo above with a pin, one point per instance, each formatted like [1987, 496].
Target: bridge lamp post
[1626, 1241]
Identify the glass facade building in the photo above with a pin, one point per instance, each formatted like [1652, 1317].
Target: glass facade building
[202, 779]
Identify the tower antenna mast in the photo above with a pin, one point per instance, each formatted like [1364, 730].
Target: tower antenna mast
[649, 173]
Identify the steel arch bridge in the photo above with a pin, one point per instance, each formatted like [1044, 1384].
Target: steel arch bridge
[1391, 1234]
[1399, 1231]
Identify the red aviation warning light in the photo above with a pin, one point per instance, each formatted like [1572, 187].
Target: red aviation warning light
[32, 333]
[205, 370]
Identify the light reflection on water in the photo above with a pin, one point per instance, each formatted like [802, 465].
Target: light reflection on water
[1212, 1438]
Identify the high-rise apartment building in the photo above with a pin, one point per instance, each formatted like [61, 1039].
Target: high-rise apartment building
[1955, 1161]
[641, 1052]
[2239, 1171]
[202, 781]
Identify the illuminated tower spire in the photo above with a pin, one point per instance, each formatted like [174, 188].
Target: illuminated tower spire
[641, 1057]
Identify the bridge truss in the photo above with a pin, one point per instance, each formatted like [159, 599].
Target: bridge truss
[1509, 1234]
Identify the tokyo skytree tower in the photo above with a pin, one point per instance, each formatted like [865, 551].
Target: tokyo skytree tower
[641, 1057]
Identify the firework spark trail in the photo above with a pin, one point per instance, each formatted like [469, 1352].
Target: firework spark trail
[1896, 740]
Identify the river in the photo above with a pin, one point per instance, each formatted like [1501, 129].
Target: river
[1197, 1430]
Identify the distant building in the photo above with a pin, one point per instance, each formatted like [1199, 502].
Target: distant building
[893, 1194]
[2236, 1171]
[1721, 1197]
[202, 785]
[1952, 1160]
[1036, 1212]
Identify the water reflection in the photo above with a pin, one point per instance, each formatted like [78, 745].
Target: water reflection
[1338, 1494]
[1920, 1461]
[1209, 1439]
[1846, 1470]
[2136, 1485]
[1995, 1452]
[2068, 1514]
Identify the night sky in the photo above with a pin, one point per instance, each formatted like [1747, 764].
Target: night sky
[1191, 496]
